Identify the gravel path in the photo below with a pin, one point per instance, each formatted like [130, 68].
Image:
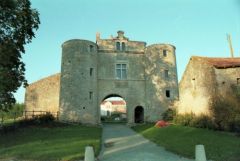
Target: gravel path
[120, 143]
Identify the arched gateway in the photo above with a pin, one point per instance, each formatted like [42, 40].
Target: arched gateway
[113, 108]
[142, 75]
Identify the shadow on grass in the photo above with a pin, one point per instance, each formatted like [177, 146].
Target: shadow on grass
[57, 143]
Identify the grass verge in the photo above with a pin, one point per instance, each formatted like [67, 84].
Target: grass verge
[65, 142]
[219, 146]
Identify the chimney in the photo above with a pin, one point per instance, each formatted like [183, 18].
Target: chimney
[97, 36]
[120, 34]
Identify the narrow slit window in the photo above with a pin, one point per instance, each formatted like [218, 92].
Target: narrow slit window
[91, 71]
[168, 93]
[90, 95]
[123, 46]
[166, 73]
[164, 53]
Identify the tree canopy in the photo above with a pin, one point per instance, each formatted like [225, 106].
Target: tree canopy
[18, 22]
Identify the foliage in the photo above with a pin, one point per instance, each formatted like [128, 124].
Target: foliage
[18, 109]
[64, 142]
[203, 121]
[14, 112]
[36, 120]
[169, 114]
[219, 146]
[226, 114]
[190, 119]
[185, 120]
[46, 120]
[17, 24]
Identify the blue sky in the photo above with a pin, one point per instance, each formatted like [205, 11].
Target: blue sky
[195, 27]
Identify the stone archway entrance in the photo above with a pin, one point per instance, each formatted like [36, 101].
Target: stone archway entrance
[139, 114]
[113, 109]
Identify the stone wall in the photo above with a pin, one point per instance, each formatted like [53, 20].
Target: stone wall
[203, 83]
[157, 81]
[43, 95]
[228, 79]
[195, 94]
[79, 57]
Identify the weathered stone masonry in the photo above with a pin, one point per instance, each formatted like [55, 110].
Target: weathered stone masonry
[143, 75]
[43, 95]
[207, 80]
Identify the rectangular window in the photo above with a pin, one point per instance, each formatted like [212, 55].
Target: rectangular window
[168, 93]
[118, 46]
[166, 73]
[164, 53]
[90, 95]
[121, 71]
[91, 71]
[238, 81]
[123, 46]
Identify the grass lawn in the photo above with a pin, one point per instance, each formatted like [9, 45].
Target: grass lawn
[56, 143]
[9, 121]
[219, 146]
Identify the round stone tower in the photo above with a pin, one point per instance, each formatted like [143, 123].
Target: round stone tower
[78, 85]
[161, 78]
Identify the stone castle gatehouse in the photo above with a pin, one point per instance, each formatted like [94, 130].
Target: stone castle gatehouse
[144, 76]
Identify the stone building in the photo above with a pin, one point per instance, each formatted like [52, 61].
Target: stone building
[144, 76]
[113, 106]
[206, 80]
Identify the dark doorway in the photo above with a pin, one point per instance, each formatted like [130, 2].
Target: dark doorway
[139, 114]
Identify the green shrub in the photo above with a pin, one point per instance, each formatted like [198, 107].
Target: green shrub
[169, 114]
[203, 121]
[14, 112]
[226, 114]
[17, 110]
[234, 123]
[185, 120]
[45, 119]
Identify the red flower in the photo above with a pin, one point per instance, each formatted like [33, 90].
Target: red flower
[161, 123]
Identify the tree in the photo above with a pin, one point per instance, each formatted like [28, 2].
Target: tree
[18, 21]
